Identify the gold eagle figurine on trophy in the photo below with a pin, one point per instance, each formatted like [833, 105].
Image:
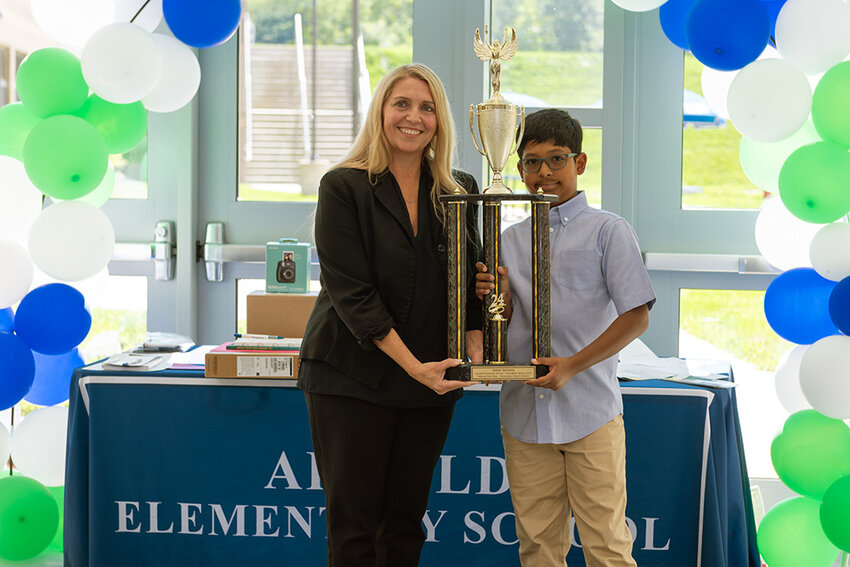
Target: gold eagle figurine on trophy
[495, 52]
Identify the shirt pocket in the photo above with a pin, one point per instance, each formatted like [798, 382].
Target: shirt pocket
[579, 270]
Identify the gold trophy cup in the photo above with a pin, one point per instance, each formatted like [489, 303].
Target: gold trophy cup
[498, 122]
[497, 118]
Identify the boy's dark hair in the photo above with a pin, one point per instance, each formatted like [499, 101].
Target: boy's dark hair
[551, 125]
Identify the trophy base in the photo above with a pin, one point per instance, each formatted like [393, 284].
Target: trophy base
[496, 372]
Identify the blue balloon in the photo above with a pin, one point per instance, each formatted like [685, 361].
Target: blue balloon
[796, 305]
[202, 23]
[673, 14]
[16, 371]
[773, 8]
[727, 34]
[52, 319]
[839, 305]
[7, 320]
[52, 384]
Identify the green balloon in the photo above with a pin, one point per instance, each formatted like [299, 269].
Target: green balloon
[16, 123]
[811, 453]
[761, 161]
[102, 193]
[50, 81]
[830, 112]
[814, 182]
[835, 513]
[58, 493]
[121, 125]
[65, 157]
[790, 535]
[29, 517]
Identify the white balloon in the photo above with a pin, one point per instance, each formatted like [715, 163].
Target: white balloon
[823, 376]
[715, 84]
[769, 100]
[813, 33]
[121, 63]
[5, 445]
[788, 380]
[71, 241]
[149, 17]
[830, 251]
[715, 88]
[782, 238]
[38, 445]
[72, 23]
[181, 76]
[20, 201]
[639, 5]
[15, 273]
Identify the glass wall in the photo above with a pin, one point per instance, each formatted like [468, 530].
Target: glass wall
[305, 87]
[559, 63]
[711, 172]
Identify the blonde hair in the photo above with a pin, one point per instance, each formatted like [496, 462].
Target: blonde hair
[371, 150]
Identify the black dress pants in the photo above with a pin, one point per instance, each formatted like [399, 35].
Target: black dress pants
[375, 464]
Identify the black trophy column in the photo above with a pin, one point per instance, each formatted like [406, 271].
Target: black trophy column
[456, 223]
[540, 300]
[495, 337]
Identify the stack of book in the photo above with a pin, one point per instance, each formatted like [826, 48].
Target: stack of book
[254, 357]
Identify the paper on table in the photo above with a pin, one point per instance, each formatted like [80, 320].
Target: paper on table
[638, 362]
[195, 356]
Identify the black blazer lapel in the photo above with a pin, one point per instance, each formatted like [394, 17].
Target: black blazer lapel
[388, 195]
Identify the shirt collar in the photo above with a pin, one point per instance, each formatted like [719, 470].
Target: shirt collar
[569, 209]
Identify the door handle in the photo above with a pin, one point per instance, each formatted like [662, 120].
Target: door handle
[163, 251]
[215, 252]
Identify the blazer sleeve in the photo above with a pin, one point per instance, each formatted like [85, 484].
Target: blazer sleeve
[345, 259]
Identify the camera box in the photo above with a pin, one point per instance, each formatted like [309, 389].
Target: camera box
[278, 314]
[287, 266]
[223, 363]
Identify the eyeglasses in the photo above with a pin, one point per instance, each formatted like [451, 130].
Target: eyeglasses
[556, 161]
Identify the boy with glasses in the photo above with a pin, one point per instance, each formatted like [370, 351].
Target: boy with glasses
[563, 433]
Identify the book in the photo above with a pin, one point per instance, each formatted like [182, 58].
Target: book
[264, 344]
[223, 362]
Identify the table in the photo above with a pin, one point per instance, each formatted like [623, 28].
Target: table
[172, 468]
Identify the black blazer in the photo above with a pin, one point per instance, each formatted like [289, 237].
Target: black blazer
[366, 252]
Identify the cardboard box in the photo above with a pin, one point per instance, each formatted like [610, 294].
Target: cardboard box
[223, 363]
[282, 314]
[288, 266]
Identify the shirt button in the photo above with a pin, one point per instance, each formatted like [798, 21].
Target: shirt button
[441, 248]
[541, 396]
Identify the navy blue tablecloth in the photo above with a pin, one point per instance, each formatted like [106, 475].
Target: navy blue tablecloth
[171, 468]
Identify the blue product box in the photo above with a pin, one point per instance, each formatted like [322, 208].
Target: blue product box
[287, 266]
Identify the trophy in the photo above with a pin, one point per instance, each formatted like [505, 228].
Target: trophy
[498, 123]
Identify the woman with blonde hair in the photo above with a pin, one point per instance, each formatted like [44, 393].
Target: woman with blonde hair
[374, 353]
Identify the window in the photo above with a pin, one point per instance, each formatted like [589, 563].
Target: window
[559, 63]
[711, 173]
[295, 120]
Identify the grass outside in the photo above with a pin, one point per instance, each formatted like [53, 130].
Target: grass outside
[710, 160]
[734, 321]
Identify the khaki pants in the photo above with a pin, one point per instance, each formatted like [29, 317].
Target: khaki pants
[587, 477]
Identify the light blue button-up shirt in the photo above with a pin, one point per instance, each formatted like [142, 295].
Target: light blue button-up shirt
[597, 273]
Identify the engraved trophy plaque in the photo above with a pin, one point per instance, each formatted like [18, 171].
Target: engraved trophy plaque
[498, 124]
